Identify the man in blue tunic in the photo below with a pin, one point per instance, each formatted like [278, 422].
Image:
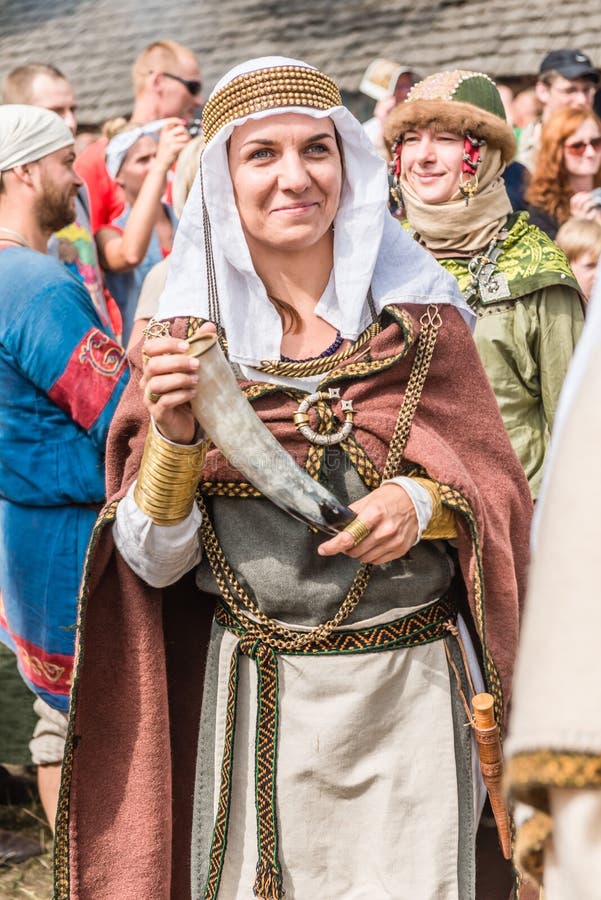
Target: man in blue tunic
[61, 375]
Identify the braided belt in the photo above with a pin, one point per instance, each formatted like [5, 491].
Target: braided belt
[421, 627]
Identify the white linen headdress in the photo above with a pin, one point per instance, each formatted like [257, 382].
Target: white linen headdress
[119, 145]
[370, 247]
[28, 133]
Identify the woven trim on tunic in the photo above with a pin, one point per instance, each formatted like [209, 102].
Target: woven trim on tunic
[457, 502]
[194, 323]
[367, 366]
[241, 489]
[361, 463]
[61, 838]
[531, 775]
[529, 851]
[414, 629]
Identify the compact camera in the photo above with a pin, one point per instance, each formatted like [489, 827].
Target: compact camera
[595, 196]
[194, 126]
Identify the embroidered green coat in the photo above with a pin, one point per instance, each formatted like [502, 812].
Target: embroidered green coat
[526, 336]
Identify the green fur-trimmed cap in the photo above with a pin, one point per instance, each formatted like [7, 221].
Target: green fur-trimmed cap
[457, 101]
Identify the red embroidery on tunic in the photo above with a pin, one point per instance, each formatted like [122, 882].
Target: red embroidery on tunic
[51, 672]
[86, 385]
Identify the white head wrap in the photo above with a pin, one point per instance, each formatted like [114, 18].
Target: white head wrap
[28, 133]
[118, 146]
[370, 247]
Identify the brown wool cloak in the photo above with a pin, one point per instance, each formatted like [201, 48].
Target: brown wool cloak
[124, 821]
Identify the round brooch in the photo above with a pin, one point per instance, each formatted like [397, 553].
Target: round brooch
[301, 418]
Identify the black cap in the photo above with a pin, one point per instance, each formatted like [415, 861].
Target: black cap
[570, 64]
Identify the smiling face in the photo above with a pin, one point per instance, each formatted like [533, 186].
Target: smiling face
[590, 161]
[431, 163]
[56, 184]
[286, 174]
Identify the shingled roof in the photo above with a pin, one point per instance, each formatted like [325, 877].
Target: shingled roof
[95, 41]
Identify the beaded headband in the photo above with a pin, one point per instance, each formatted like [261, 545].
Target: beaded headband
[268, 89]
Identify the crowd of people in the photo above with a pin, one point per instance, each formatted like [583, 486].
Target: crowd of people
[269, 687]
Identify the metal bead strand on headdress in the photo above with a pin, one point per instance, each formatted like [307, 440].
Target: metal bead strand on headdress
[263, 89]
[278, 86]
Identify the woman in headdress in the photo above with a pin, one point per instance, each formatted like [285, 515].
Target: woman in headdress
[330, 756]
[451, 144]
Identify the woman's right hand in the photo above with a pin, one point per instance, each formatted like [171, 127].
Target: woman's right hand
[169, 381]
[173, 138]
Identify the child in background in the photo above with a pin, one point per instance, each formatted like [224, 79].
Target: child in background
[154, 282]
[139, 159]
[580, 240]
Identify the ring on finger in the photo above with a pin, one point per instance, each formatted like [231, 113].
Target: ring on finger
[358, 530]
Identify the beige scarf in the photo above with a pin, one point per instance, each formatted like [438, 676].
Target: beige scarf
[452, 228]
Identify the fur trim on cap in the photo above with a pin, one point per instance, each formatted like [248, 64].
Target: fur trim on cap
[451, 115]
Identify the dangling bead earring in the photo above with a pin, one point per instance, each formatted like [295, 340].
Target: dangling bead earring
[468, 180]
[468, 185]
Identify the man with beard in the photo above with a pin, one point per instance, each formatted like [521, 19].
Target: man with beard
[61, 376]
[40, 84]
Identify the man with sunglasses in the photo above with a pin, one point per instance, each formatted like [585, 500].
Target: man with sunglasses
[167, 83]
[566, 78]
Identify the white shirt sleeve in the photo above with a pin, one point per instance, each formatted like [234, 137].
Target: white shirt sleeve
[159, 554]
[420, 498]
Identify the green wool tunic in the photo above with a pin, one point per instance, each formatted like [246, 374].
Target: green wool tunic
[525, 335]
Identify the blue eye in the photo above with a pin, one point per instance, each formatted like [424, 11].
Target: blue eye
[261, 154]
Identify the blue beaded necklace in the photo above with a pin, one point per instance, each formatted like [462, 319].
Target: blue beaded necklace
[327, 352]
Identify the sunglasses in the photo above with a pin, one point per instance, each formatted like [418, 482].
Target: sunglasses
[193, 87]
[578, 147]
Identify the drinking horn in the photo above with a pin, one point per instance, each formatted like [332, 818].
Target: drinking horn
[228, 419]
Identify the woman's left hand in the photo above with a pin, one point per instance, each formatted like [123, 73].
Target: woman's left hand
[390, 514]
[583, 206]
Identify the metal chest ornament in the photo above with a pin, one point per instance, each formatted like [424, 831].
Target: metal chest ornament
[487, 283]
[301, 418]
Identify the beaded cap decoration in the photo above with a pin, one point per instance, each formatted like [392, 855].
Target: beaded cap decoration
[476, 88]
[460, 101]
[268, 89]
